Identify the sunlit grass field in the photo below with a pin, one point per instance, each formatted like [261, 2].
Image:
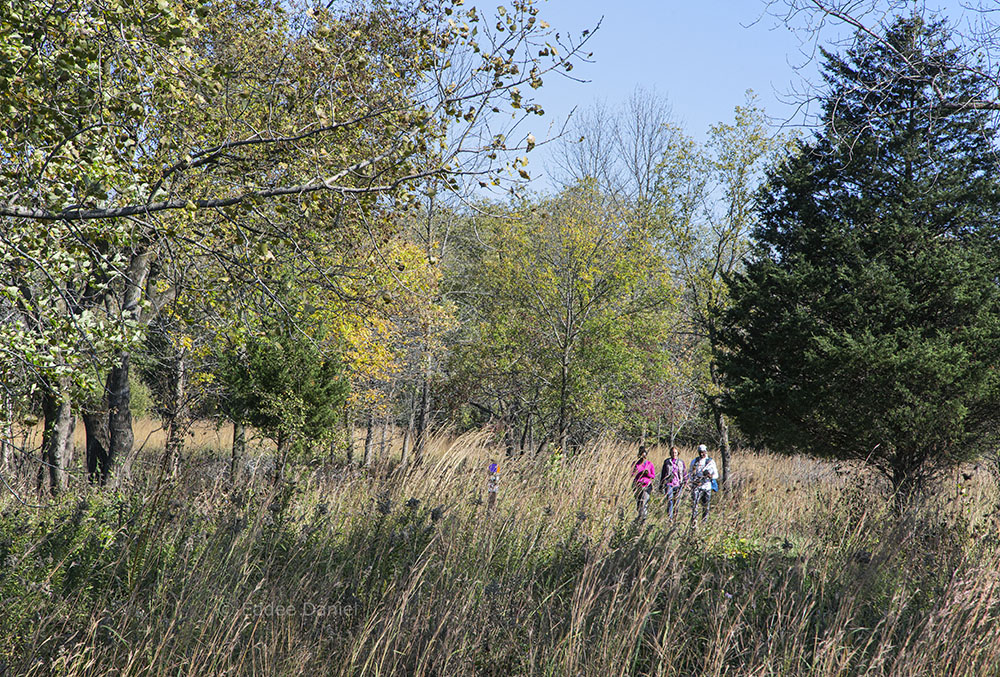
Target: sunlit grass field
[802, 569]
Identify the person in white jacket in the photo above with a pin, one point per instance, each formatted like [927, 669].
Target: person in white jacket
[704, 476]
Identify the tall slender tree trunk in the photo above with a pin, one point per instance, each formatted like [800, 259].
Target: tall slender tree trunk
[423, 419]
[382, 452]
[369, 442]
[57, 436]
[179, 421]
[424, 416]
[349, 433]
[722, 427]
[508, 433]
[7, 434]
[404, 451]
[6, 450]
[239, 447]
[404, 457]
[70, 456]
[564, 400]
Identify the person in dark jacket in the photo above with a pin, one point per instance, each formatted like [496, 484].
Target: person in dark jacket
[673, 477]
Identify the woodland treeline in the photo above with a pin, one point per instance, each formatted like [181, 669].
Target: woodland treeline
[306, 221]
[264, 217]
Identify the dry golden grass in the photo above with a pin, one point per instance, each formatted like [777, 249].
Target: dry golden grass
[149, 434]
[801, 570]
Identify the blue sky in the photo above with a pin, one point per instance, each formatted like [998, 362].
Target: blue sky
[702, 56]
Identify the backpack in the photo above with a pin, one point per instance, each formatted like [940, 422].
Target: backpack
[715, 482]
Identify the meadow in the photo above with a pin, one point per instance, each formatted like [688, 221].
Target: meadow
[802, 569]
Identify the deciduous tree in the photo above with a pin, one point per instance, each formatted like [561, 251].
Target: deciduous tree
[137, 118]
[563, 303]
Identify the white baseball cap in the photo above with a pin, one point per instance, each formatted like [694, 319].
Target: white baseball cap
[701, 448]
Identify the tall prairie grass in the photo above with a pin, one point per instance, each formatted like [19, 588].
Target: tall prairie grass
[803, 568]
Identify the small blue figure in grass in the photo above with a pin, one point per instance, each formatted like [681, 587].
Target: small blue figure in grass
[492, 483]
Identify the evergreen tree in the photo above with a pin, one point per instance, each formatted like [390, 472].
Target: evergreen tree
[867, 325]
[280, 382]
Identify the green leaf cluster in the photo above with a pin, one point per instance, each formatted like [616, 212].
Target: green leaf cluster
[564, 305]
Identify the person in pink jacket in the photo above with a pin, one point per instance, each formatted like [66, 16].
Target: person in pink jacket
[643, 473]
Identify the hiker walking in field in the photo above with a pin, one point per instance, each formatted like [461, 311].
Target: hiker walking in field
[492, 483]
[704, 481]
[643, 473]
[672, 480]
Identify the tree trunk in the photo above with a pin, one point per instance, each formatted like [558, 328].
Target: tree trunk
[563, 401]
[721, 426]
[508, 434]
[122, 439]
[120, 432]
[57, 436]
[70, 454]
[369, 435]
[7, 435]
[404, 451]
[382, 452]
[408, 434]
[423, 420]
[349, 432]
[284, 443]
[6, 450]
[723, 429]
[179, 421]
[239, 447]
[95, 424]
